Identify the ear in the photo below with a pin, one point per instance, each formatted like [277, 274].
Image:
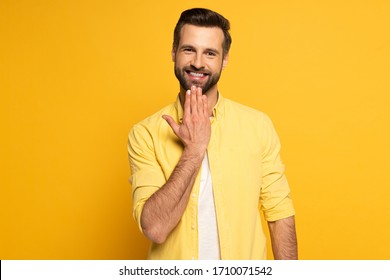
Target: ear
[225, 61]
[173, 54]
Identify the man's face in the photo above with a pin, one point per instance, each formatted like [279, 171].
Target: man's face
[199, 57]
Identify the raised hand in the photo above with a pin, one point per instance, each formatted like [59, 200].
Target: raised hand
[195, 130]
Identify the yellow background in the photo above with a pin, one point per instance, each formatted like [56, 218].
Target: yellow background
[76, 75]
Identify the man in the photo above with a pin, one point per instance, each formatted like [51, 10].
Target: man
[201, 166]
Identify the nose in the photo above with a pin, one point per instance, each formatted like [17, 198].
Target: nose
[197, 61]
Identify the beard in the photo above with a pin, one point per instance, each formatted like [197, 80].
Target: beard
[212, 78]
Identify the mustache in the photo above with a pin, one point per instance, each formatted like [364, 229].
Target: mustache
[195, 69]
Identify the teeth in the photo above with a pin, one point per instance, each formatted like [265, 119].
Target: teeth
[196, 74]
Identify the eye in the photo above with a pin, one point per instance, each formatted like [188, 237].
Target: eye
[209, 53]
[188, 50]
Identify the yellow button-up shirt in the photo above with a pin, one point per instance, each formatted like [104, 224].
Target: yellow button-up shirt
[246, 169]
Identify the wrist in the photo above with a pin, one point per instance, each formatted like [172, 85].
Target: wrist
[194, 155]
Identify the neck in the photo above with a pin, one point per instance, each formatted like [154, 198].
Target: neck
[212, 98]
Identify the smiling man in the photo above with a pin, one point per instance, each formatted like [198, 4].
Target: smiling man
[202, 166]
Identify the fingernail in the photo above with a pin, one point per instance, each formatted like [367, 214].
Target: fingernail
[193, 87]
[188, 92]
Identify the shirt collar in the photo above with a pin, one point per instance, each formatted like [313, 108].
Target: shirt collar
[217, 110]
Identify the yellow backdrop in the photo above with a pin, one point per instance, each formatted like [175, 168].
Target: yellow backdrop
[76, 75]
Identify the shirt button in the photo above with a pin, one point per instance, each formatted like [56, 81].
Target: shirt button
[193, 226]
[193, 195]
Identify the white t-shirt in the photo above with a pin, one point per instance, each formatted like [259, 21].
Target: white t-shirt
[207, 220]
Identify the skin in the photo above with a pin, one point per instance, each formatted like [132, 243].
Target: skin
[284, 239]
[199, 48]
[200, 51]
[199, 61]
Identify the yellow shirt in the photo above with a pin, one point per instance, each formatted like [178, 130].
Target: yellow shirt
[246, 169]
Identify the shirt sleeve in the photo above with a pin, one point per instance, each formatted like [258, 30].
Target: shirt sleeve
[275, 197]
[146, 174]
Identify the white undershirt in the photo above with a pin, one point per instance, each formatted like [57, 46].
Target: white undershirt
[207, 221]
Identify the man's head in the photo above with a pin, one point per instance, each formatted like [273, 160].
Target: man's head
[203, 18]
[200, 49]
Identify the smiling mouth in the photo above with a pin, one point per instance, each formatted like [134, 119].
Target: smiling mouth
[196, 74]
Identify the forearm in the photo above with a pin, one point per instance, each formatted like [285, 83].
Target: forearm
[164, 209]
[283, 238]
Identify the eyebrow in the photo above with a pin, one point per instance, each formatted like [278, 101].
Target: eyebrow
[186, 47]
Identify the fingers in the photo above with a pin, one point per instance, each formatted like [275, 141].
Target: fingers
[175, 127]
[205, 105]
[194, 130]
[199, 101]
[187, 102]
[194, 103]
[196, 100]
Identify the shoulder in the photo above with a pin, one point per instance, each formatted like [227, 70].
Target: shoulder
[251, 122]
[150, 126]
[154, 121]
[237, 110]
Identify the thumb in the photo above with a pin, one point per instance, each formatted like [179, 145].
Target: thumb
[172, 123]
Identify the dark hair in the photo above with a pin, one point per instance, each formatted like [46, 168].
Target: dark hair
[204, 18]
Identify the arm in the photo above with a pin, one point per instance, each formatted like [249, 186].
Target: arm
[283, 238]
[164, 209]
